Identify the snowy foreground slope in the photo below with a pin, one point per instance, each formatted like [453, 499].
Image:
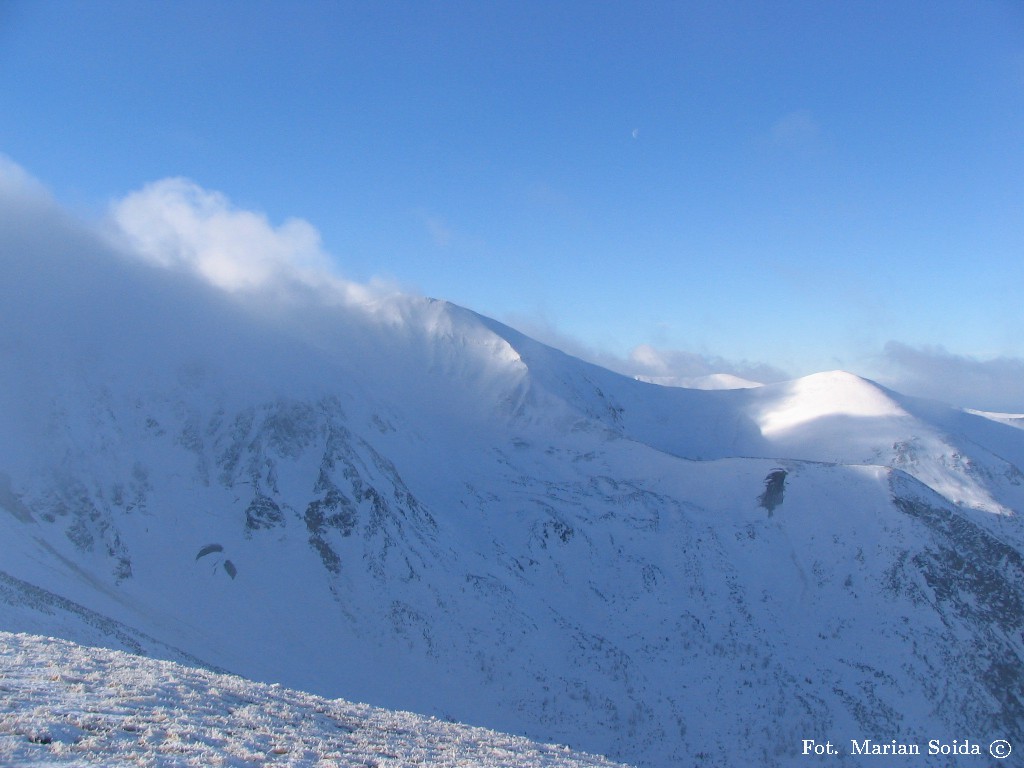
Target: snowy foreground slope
[65, 704]
[395, 500]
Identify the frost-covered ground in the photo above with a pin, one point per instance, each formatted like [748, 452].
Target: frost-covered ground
[71, 705]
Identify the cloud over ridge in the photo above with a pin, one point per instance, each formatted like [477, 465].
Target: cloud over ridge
[996, 384]
[176, 223]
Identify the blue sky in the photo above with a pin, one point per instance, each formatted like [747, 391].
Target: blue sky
[803, 185]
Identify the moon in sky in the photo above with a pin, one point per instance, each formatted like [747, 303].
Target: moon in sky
[636, 132]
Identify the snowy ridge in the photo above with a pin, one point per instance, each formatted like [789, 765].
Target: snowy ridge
[66, 704]
[1012, 419]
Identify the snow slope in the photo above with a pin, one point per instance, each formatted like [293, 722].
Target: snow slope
[69, 705]
[399, 501]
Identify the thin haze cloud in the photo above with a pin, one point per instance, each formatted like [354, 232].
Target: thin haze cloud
[646, 361]
[996, 384]
[675, 364]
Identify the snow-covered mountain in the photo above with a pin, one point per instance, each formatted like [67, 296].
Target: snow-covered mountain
[396, 500]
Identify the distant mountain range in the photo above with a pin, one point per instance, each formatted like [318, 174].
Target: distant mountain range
[396, 500]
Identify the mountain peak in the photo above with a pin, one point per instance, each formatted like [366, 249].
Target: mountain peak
[831, 394]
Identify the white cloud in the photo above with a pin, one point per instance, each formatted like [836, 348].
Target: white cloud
[176, 223]
[651, 363]
[996, 384]
[676, 364]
